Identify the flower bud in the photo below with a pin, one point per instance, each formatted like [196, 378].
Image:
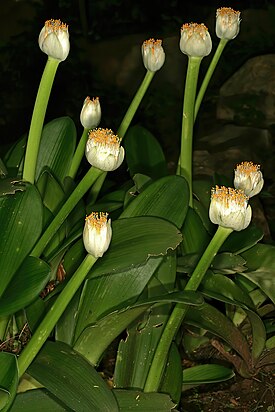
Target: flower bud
[229, 208]
[152, 54]
[248, 178]
[97, 233]
[54, 39]
[103, 150]
[91, 113]
[227, 23]
[195, 40]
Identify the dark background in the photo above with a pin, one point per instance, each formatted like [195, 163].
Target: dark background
[93, 24]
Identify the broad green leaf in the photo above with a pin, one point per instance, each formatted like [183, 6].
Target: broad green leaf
[211, 319]
[99, 299]
[168, 198]
[25, 286]
[50, 190]
[239, 242]
[202, 190]
[228, 263]
[8, 379]
[9, 186]
[108, 203]
[144, 153]
[65, 327]
[144, 335]
[134, 240]
[258, 334]
[172, 379]
[134, 355]
[195, 236]
[131, 400]
[14, 157]
[97, 337]
[57, 147]
[208, 373]
[21, 224]
[270, 343]
[38, 400]
[69, 377]
[224, 289]
[261, 268]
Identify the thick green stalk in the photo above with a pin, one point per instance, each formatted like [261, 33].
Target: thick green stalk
[186, 152]
[48, 323]
[126, 121]
[38, 117]
[134, 104]
[177, 316]
[208, 75]
[82, 187]
[78, 154]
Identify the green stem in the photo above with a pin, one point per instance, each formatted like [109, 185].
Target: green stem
[208, 75]
[83, 186]
[125, 123]
[186, 152]
[78, 154]
[38, 117]
[135, 103]
[177, 316]
[48, 323]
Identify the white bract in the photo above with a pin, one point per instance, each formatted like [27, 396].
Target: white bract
[248, 178]
[195, 40]
[229, 208]
[97, 234]
[91, 113]
[152, 54]
[54, 39]
[103, 150]
[227, 23]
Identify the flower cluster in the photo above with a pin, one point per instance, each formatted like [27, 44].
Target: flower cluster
[248, 178]
[91, 113]
[227, 23]
[103, 149]
[195, 40]
[97, 233]
[152, 54]
[229, 208]
[54, 39]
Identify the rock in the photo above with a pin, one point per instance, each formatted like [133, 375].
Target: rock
[248, 97]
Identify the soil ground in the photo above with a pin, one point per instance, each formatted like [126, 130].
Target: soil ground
[238, 394]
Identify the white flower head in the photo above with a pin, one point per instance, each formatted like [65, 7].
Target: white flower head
[152, 54]
[248, 178]
[227, 23]
[97, 234]
[195, 40]
[54, 39]
[229, 208]
[91, 113]
[103, 149]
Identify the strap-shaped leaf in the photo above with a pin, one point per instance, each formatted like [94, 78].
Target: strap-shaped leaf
[38, 400]
[69, 377]
[25, 286]
[57, 147]
[144, 153]
[168, 198]
[8, 379]
[21, 224]
[143, 402]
